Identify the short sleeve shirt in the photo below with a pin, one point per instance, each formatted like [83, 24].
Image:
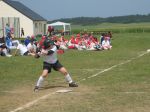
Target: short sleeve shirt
[52, 58]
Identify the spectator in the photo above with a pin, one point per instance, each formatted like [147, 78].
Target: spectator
[106, 43]
[3, 50]
[102, 38]
[7, 30]
[31, 47]
[22, 49]
[8, 43]
[27, 40]
[22, 32]
[50, 30]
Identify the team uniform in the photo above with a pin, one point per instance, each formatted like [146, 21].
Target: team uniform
[50, 60]
[31, 47]
[23, 49]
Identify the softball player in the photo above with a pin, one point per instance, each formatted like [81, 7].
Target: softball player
[49, 53]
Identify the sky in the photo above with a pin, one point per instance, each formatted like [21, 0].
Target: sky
[57, 9]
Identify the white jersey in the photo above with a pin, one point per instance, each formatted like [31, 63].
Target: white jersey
[22, 48]
[105, 43]
[52, 58]
[31, 47]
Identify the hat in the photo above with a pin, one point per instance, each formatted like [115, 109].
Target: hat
[28, 37]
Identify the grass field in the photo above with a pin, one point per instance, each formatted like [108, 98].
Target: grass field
[114, 27]
[109, 81]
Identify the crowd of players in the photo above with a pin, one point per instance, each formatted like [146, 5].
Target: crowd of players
[79, 42]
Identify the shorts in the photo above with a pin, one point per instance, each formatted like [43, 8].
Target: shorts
[56, 66]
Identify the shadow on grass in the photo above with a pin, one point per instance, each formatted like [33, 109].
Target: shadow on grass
[51, 86]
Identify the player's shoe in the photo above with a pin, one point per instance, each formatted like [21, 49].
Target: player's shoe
[36, 88]
[73, 84]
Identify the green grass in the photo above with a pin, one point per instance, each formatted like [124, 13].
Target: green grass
[124, 88]
[114, 27]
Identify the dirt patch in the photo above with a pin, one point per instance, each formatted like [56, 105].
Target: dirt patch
[15, 98]
[80, 99]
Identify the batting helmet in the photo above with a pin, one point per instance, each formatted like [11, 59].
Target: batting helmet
[47, 43]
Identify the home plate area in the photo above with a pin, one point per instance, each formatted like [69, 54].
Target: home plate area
[64, 91]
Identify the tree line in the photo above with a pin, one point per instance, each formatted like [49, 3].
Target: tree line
[98, 20]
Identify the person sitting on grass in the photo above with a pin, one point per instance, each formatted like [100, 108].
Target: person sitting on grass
[22, 49]
[49, 52]
[3, 50]
[106, 43]
[31, 47]
[102, 38]
[27, 40]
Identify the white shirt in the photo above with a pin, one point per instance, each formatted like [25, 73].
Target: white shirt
[52, 58]
[105, 43]
[22, 48]
[31, 46]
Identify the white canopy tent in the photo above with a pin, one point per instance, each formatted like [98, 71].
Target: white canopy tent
[66, 26]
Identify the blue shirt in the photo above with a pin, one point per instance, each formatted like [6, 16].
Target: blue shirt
[7, 30]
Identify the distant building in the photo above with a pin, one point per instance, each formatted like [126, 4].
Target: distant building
[19, 16]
